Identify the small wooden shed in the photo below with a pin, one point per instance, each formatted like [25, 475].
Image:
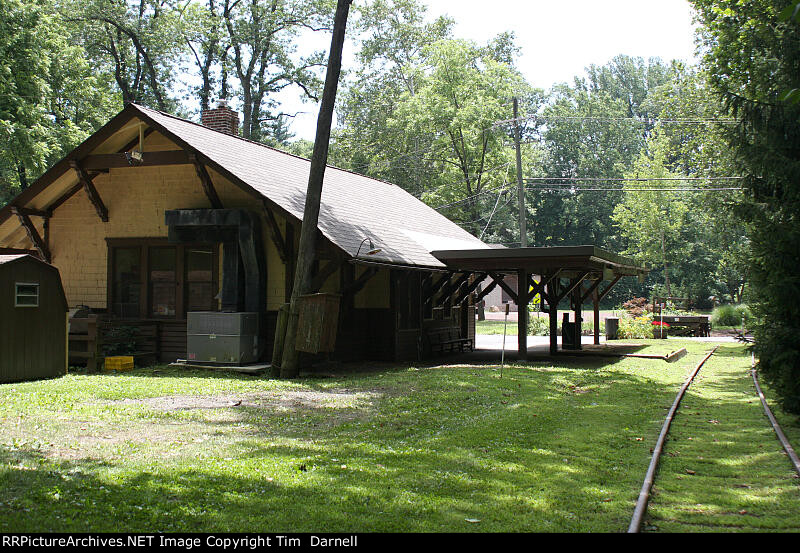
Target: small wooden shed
[33, 320]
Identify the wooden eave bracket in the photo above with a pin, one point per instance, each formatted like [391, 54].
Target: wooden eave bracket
[436, 286]
[360, 282]
[276, 234]
[91, 191]
[460, 298]
[486, 291]
[205, 180]
[25, 220]
[574, 284]
[608, 288]
[450, 289]
[324, 274]
[502, 283]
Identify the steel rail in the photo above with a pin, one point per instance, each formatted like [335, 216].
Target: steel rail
[644, 494]
[777, 427]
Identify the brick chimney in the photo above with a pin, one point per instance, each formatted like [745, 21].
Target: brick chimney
[221, 118]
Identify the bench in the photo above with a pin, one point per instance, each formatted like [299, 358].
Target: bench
[444, 340]
[687, 325]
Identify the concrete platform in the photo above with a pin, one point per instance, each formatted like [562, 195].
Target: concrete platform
[254, 369]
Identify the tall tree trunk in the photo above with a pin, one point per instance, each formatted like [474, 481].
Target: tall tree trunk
[308, 233]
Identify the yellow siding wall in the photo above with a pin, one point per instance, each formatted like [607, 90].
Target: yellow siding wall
[136, 199]
[375, 294]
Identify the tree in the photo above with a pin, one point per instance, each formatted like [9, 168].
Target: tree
[753, 59]
[262, 36]
[716, 265]
[395, 34]
[592, 129]
[139, 42]
[204, 35]
[50, 99]
[651, 216]
[463, 90]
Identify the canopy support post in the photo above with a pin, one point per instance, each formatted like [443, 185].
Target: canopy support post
[522, 314]
[596, 305]
[552, 309]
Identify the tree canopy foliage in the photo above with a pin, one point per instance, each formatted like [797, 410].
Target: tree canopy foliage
[752, 55]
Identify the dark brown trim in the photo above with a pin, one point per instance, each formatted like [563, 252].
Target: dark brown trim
[144, 244]
[319, 279]
[275, 232]
[574, 283]
[91, 191]
[608, 288]
[19, 251]
[105, 132]
[469, 289]
[32, 212]
[33, 234]
[360, 282]
[124, 160]
[485, 292]
[450, 289]
[502, 283]
[591, 290]
[205, 181]
[435, 287]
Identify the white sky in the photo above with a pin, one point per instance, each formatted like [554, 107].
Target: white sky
[558, 39]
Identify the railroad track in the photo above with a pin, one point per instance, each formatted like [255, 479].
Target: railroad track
[645, 492]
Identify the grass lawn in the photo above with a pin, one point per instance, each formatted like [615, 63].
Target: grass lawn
[496, 327]
[453, 448]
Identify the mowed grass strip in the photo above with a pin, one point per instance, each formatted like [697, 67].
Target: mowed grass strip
[722, 468]
[549, 447]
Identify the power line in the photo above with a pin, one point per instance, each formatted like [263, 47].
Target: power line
[471, 197]
[627, 179]
[643, 120]
[620, 189]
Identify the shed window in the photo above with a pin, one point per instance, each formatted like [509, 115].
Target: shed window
[26, 294]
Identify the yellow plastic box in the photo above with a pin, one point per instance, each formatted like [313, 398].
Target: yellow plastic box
[118, 363]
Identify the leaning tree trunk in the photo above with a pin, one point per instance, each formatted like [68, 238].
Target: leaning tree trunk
[308, 232]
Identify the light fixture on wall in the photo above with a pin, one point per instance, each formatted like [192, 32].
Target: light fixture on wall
[372, 249]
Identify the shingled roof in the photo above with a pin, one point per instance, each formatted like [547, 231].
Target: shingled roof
[353, 206]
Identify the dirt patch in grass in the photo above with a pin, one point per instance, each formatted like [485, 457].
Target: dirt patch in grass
[303, 400]
[188, 425]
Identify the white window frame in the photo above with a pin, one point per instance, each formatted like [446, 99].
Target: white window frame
[18, 295]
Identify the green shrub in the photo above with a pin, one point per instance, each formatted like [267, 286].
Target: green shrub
[636, 327]
[730, 315]
[744, 313]
[539, 326]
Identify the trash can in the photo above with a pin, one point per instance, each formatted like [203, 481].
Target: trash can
[612, 328]
[570, 333]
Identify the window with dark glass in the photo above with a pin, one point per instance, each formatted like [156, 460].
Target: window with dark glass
[127, 281]
[149, 278]
[26, 294]
[200, 285]
[163, 280]
[408, 300]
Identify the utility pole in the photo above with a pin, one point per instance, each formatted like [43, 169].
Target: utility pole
[523, 233]
[308, 232]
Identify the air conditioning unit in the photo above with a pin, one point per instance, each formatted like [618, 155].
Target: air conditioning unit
[228, 338]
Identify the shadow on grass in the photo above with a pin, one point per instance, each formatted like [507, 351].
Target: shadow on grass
[543, 449]
[550, 450]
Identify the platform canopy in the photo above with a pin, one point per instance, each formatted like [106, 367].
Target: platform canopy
[577, 273]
